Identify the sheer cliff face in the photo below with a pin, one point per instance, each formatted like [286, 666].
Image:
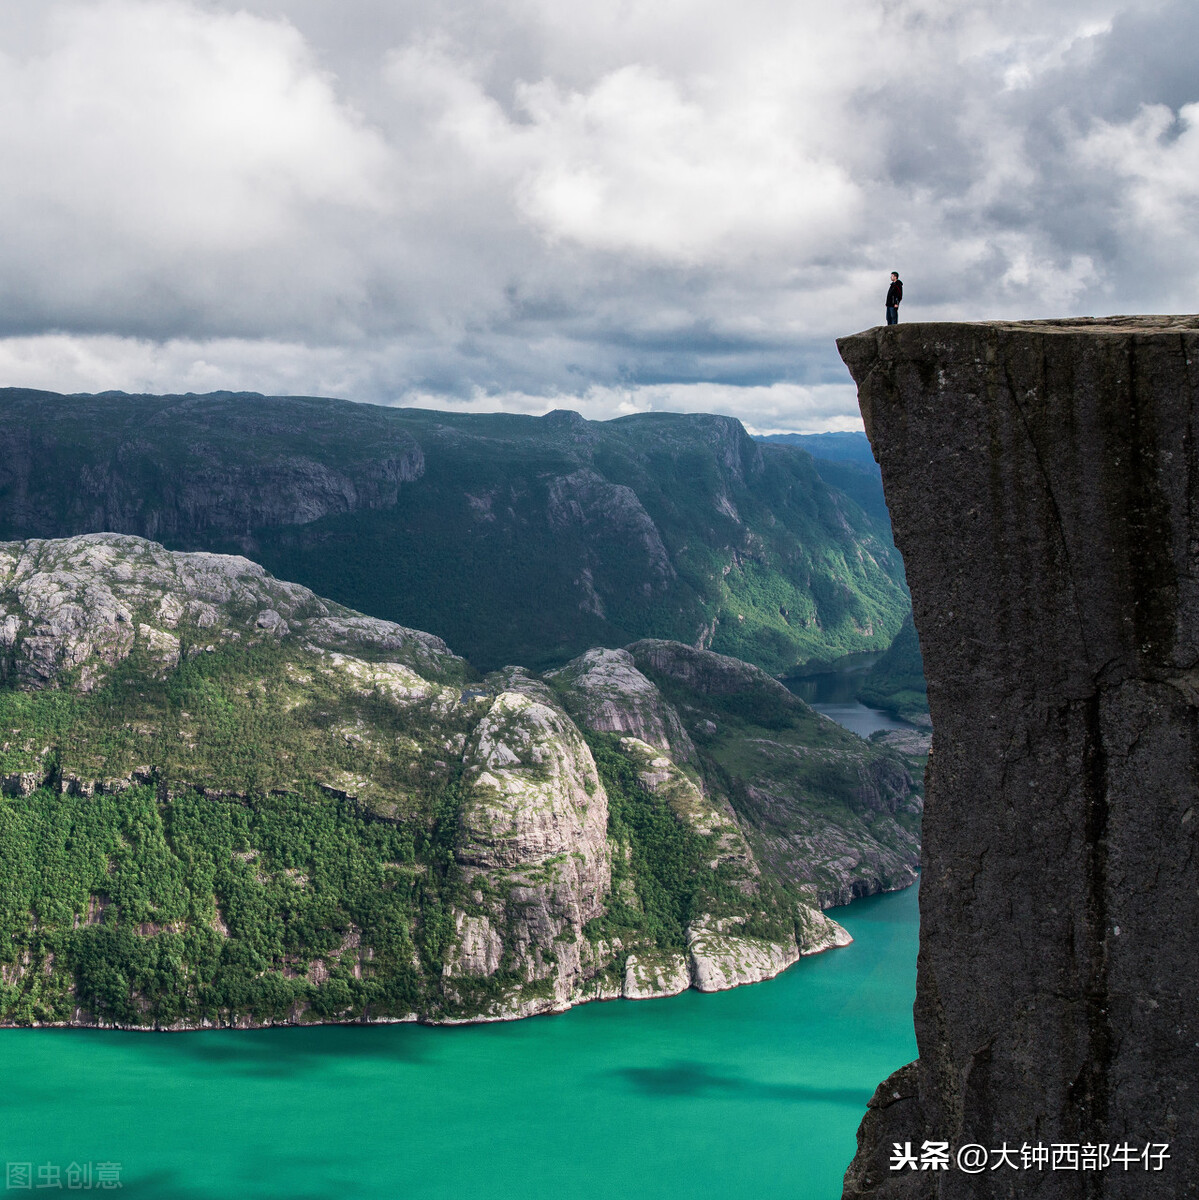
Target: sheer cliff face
[1043, 481]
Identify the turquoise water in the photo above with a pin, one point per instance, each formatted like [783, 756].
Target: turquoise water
[755, 1092]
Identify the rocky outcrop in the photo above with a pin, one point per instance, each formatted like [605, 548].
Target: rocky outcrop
[604, 511]
[604, 692]
[80, 605]
[649, 976]
[1043, 482]
[480, 948]
[690, 801]
[706, 672]
[844, 859]
[607, 693]
[534, 843]
[721, 957]
[533, 836]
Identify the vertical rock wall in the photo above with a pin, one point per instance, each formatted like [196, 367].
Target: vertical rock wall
[1043, 481]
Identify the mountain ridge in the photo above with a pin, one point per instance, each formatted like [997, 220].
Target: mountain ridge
[518, 539]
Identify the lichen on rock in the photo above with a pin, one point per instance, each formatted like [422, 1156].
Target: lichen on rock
[534, 828]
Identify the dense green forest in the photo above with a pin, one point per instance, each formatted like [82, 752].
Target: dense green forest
[670, 867]
[150, 909]
[157, 907]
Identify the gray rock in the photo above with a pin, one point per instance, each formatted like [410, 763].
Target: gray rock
[77, 606]
[650, 976]
[1043, 483]
[534, 834]
[480, 947]
[692, 803]
[707, 672]
[721, 959]
[607, 694]
[586, 501]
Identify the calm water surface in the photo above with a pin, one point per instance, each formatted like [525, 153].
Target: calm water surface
[832, 693]
[857, 718]
[755, 1093]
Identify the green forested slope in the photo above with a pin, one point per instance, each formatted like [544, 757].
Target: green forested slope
[227, 800]
[896, 682]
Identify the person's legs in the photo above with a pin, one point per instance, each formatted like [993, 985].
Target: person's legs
[892, 314]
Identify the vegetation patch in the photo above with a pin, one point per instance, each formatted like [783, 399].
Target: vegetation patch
[138, 909]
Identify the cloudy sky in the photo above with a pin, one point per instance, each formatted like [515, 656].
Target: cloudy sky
[610, 205]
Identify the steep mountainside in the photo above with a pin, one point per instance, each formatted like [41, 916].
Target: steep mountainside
[845, 462]
[856, 831]
[228, 801]
[518, 539]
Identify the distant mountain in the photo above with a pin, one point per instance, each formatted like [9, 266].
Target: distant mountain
[853, 447]
[844, 461]
[517, 539]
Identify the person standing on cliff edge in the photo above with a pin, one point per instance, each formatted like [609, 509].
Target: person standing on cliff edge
[894, 296]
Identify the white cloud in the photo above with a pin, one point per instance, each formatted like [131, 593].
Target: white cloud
[528, 204]
[634, 164]
[158, 154]
[1156, 156]
[97, 363]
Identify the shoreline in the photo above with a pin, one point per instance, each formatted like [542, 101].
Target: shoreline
[550, 1008]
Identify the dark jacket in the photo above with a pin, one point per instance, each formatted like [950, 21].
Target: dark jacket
[894, 293]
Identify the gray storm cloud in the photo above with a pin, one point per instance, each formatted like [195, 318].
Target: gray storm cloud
[529, 205]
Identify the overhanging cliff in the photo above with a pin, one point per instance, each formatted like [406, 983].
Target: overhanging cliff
[1043, 482]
